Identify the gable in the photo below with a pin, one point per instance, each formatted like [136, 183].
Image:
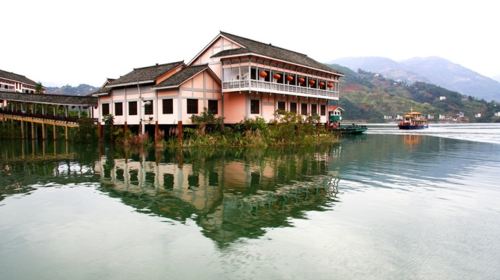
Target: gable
[217, 45]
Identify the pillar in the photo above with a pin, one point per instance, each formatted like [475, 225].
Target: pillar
[54, 132]
[99, 131]
[179, 132]
[156, 133]
[43, 131]
[32, 130]
[22, 130]
[66, 133]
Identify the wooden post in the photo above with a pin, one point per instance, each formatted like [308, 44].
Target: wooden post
[54, 132]
[43, 131]
[22, 130]
[179, 132]
[32, 130]
[66, 133]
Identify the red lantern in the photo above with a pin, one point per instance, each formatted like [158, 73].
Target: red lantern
[263, 74]
[302, 80]
[276, 76]
[289, 78]
[321, 84]
[312, 82]
[330, 84]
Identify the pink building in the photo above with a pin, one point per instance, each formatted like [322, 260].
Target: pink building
[233, 77]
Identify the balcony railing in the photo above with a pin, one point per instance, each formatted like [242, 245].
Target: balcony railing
[270, 87]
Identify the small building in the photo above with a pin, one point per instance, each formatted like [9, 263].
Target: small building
[387, 118]
[442, 98]
[442, 117]
[334, 113]
[478, 115]
[430, 116]
[497, 114]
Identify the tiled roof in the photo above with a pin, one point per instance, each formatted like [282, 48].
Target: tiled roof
[269, 50]
[49, 98]
[232, 52]
[16, 77]
[182, 76]
[144, 74]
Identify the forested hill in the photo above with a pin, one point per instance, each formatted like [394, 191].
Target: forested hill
[369, 97]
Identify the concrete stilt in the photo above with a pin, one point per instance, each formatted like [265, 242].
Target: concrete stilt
[179, 132]
[156, 133]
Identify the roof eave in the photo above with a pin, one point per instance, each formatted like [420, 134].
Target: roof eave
[100, 93]
[131, 84]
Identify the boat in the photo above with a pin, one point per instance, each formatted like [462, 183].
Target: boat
[413, 120]
[335, 116]
[350, 129]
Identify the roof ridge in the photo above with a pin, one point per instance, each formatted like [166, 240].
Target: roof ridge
[157, 65]
[267, 44]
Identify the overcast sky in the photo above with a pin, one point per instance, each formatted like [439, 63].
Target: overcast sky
[86, 41]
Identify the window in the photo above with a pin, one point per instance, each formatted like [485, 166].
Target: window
[281, 106]
[105, 109]
[303, 108]
[148, 107]
[192, 106]
[293, 107]
[323, 110]
[253, 73]
[168, 106]
[132, 108]
[118, 109]
[193, 181]
[254, 107]
[314, 109]
[168, 180]
[213, 106]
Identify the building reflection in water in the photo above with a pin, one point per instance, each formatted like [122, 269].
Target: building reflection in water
[229, 195]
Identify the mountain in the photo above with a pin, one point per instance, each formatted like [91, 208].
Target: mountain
[385, 66]
[434, 70]
[496, 78]
[80, 90]
[368, 96]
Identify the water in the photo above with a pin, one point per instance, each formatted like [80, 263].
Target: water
[379, 206]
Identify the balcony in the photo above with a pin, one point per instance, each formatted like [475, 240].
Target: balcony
[271, 87]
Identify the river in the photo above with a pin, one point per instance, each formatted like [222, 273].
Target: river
[385, 205]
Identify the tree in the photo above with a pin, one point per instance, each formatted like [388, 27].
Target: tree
[39, 88]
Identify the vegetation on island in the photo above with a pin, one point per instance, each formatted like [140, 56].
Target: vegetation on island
[210, 131]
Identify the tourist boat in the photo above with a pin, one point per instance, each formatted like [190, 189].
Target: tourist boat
[413, 120]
